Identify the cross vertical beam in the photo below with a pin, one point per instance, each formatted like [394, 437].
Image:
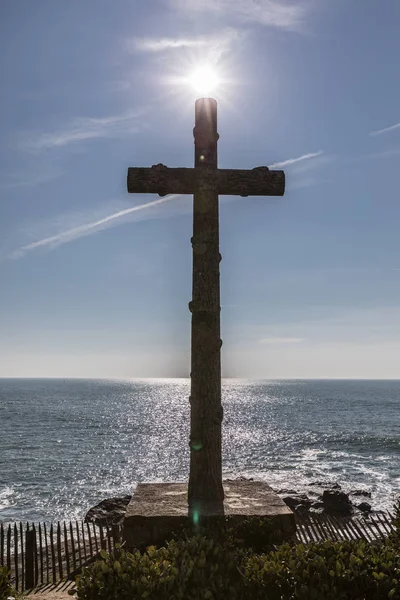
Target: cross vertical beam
[206, 182]
[205, 491]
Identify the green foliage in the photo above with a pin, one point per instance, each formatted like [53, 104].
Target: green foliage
[192, 569]
[258, 534]
[250, 533]
[395, 536]
[325, 571]
[5, 588]
[199, 568]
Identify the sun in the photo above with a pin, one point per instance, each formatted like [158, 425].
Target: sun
[204, 80]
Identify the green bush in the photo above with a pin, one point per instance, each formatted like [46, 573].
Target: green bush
[192, 569]
[258, 534]
[395, 536]
[5, 588]
[325, 571]
[250, 533]
[202, 569]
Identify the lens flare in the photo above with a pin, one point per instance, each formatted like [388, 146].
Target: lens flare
[196, 518]
[204, 80]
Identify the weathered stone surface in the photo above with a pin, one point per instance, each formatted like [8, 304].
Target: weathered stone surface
[205, 488]
[163, 180]
[365, 507]
[205, 182]
[156, 511]
[336, 502]
[111, 510]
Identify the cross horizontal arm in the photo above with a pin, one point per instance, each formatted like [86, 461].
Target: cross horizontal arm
[163, 180]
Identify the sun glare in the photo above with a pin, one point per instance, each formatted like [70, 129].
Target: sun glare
[204, 80]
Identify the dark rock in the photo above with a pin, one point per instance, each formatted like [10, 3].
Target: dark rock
[326, 484]
[361, 493]
[111, 510]
[289, 492]
[317, 505]
[291, 502]
[365, 507]
[304, 498]
[336, 502]
[299, 502]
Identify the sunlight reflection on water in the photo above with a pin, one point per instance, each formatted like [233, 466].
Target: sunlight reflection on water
[87, 439]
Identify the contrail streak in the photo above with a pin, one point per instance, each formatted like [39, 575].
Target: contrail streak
[72, 234]
[386, 130]
[291, 161]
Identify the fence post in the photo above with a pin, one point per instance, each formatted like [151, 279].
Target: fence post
[36, 563]
[21, 537]
[16, 556]
[59, 551]
[9, 547]
[78, 541]
[66, 549]
[115, 534]
[103, 542]
[53, 554]
[47, 553]
[30, 551]
[1, 544]
[41, 554]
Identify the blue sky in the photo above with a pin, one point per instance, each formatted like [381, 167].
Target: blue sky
[94, 284]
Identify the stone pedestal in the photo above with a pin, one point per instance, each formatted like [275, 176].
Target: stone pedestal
[157, 510]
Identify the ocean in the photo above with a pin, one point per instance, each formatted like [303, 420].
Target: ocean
[67, 444]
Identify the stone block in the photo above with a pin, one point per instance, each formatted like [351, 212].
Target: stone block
[158, 510]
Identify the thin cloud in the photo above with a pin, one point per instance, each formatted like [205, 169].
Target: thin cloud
[86, 129]
[162, 44]
[376, 155]
[281, 340]
[31, 179]
[292, 161]
[282, 14]
[86, 229]
[385, 130]
[216, 43]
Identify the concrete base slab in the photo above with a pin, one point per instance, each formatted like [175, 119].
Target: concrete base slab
[158, 510]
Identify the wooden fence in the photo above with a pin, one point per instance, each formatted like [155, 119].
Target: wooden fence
[313, 527]
[40, 554]
[43, 553]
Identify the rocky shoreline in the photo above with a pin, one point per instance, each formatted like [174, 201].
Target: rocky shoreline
[322, 497]
[110, 510]
[328, 498]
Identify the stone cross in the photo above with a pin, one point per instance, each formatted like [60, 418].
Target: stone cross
[205, 182]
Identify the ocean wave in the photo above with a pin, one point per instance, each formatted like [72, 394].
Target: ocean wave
[288, 434]
[7, 497]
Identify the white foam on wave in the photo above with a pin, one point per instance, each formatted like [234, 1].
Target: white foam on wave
[302, 479]
[7, 495]
[268, 435]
